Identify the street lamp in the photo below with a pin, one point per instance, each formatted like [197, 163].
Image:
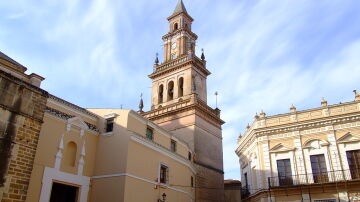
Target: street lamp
[163, 198]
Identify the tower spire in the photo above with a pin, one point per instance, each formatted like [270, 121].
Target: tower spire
[180, 7]
[141, 104]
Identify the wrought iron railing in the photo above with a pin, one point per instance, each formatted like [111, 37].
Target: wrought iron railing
[314, 178]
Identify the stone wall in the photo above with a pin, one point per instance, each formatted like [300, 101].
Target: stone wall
[232, 190]
[22, 109]
[209, 185]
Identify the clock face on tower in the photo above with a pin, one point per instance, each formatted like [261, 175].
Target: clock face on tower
[173, 45]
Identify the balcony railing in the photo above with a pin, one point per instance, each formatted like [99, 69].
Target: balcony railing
[314, 178]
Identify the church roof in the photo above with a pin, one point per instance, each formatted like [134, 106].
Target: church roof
[180, 7]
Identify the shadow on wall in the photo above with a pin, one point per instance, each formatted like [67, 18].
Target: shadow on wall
[8, 133]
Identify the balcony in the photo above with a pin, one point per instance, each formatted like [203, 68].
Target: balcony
[314, 178]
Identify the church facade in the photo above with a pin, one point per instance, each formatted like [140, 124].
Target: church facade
[54, 150]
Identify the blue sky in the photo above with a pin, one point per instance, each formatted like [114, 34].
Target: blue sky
[263, 54]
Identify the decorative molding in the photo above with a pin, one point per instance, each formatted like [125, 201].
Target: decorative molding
[143, 179]
[111, 116]
[199, 107]
[81, 162]
[348, 138]
[52, 174]
[78, 122]
[65, 116]
[72, 107]
[179, 63]
[24, 83]
[250, 137]
[281, 148]
[59, 154]
[157, 128]
[307, 143]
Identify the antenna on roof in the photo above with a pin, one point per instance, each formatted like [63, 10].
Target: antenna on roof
[216, 95]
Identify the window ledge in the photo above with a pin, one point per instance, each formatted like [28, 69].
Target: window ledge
[108, 134]
[163, 185]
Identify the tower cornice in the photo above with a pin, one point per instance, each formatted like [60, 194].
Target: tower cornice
[174, 15]
[182, 30]
[193, 104]
[178, 63]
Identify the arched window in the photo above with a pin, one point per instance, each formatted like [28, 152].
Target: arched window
[70, 154]
[176, 26]
[181, 87]
[170, 90]
[161, 94]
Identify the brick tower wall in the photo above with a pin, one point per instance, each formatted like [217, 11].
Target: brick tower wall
[209, 185]
[22, 109]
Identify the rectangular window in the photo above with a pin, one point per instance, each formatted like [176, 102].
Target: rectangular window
[149, 134]
[164, 172]
[192, 181]
[246, 180]
[353, 158]
[245, 192]
[318, 166]
[189, 156]
[284, 172]
[109, 125]
[173, 145]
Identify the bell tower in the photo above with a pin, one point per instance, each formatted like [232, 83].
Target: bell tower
[180, 40]
[179, 104]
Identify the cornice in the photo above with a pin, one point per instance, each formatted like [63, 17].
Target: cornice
[159, 129]
[181, 13]
[160, 148]
[199, 107]
[20, 113]
[308, 125]
[23, 83]
[210, 167]
[328, 121]
[170, 34]
[176, 64]
[65, 116]
[72, 106]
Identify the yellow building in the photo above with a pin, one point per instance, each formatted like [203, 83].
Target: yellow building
[90, 154]
[65, 153]
[309, 155]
